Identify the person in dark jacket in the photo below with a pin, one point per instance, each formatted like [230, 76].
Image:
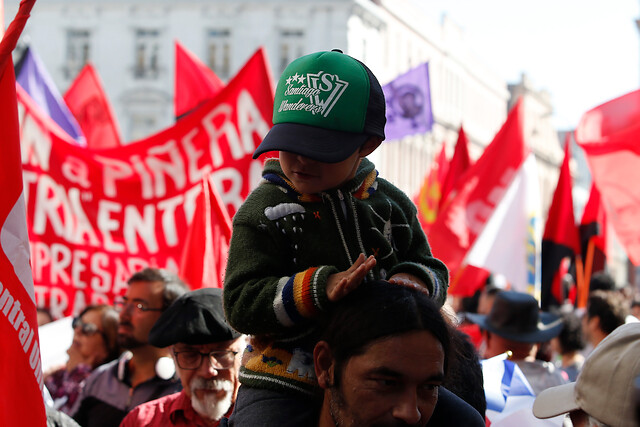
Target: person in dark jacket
[142, 373]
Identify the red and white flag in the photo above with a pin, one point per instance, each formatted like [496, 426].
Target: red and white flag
[194, 82]
[88, 103]
[510, 242]
[204, 257]
[478, 192]
[609, 135]
[21, 401]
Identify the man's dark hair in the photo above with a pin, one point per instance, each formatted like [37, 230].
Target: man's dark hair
[464, 374]
[571, 337]
[173, 285]
[378, 310]
[602, 281]
[609, 307]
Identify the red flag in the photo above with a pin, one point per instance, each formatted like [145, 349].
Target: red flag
[479, 191]
[89, 104]
[560, 239]
[593, 234]
[460, 162]
[428, 198]
[609, 136]
[21, 400]
[195, 83]
[468, 280]
[204, 257]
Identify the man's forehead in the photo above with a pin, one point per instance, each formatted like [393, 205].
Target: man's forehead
[214, 346]
[144, 290]
[410, 354]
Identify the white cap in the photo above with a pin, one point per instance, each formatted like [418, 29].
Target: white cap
[605, 386]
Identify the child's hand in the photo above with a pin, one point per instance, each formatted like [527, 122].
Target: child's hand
[340, 284]
[406, 279]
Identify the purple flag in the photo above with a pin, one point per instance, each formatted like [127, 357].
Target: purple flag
[33, 77]
[408, 103]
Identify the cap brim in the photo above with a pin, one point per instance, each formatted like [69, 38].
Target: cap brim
[555, 401]
[324, 145]
[549, 326]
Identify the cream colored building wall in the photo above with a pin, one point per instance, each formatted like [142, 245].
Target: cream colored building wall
[389, 36]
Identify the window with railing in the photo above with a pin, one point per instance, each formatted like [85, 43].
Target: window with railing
[147, 52]
[78, 51]
[291, 46]
[219, 52]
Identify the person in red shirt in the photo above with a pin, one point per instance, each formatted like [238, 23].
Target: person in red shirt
[207, 355]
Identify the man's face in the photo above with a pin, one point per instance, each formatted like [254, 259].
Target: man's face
[211, 388]
[135, 324]
[394, 383]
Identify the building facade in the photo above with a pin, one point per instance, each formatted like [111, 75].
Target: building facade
[131, 44]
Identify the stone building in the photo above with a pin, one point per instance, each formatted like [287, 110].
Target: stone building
[131, 45]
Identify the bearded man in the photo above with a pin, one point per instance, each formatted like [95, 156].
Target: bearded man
[207, 355]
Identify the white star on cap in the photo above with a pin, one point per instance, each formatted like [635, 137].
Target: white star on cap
[301, 79]
[295, 76]
[289, 80]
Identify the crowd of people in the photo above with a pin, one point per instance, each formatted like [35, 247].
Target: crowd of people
[334, 310]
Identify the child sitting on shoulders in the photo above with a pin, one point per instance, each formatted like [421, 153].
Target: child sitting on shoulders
[320, 223]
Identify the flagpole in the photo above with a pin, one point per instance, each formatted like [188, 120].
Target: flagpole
[588, 267]
[583, 284]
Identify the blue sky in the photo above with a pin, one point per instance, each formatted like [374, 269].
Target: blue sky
[584, 52]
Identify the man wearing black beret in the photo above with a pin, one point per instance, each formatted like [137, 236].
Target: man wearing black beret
[207, 354]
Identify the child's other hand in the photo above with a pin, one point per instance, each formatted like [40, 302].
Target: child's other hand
[340, 284]
[406, 279]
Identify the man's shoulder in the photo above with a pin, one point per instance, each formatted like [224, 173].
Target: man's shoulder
[102, 375]
[160, 408]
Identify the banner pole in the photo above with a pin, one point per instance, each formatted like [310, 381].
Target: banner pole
[583, 285]
[588, 267]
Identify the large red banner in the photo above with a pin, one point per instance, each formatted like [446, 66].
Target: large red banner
[97, 216]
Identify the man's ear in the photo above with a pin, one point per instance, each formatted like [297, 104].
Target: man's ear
[370, 146]
[594, 323]
[323, 364]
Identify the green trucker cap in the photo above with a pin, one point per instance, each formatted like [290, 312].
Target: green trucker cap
[327, 104]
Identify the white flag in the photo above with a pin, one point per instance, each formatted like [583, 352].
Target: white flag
[511, 241]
